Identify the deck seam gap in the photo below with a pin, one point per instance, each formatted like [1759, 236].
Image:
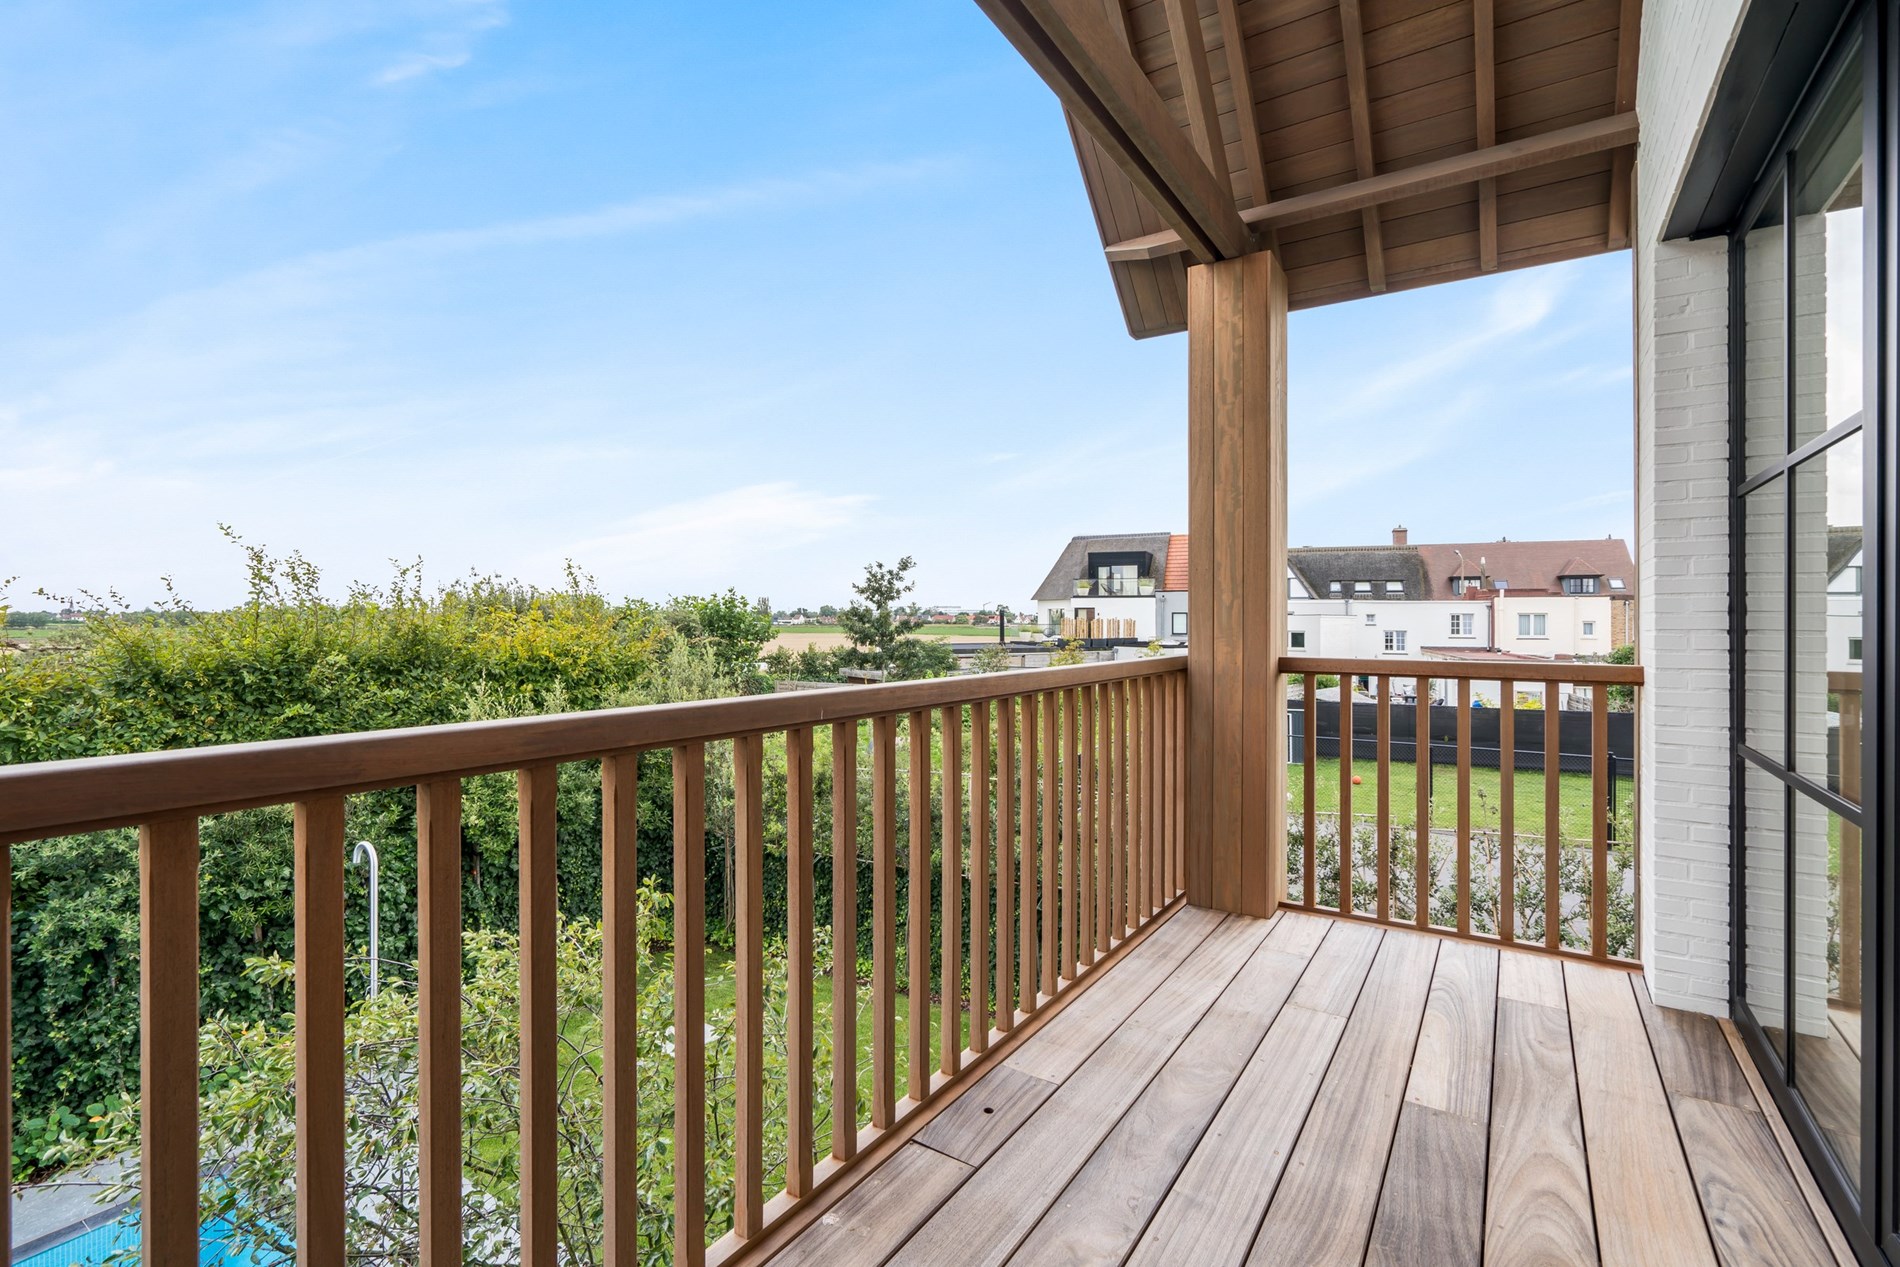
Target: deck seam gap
[1583, 1125]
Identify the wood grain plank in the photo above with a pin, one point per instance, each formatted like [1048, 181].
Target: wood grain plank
[981, 1224]
[1049, 783]
[1190, 55]
[1028, 901]
[1528, 978]
[980, 741]
[874, 1217]
[917, 923]
[1383, 827]
[1339, 968]
[1485, 71]
[1071, 915]
[950, 898]
[1005, 864]
[1073, 1036]
[978, 1121]
[1755, 1210]
[1104, 1209]
[620, 1004]
[883, 921]
[1324, 1208]
[1538, 1201]
[168, 1039]
[439, 1002]
[1646, 1205]
[1507, 808]
[1463, 836]
[1353, 46]
[318, 847]
[1094, 935]
[1691, 1053]
[1432, 1206]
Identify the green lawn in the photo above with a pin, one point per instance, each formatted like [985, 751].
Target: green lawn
[927, 631]
[1573, 804]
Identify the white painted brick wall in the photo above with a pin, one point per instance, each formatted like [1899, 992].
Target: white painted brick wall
[1681, 293]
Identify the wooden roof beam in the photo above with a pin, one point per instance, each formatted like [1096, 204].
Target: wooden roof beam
[1485, 75]
[1071, 44]
[1240, 79]
[1197, 86]
[1622, 196]
[1353, 38]
[1595, 137]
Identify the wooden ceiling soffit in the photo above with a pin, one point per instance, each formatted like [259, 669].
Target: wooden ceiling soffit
[1616, 132]
[1622, 194]
[1071, 44]
[1485, 76]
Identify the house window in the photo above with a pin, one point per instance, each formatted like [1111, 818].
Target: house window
[1395, 587]
[1296, 639]
[1853, 649]
[1533, 625]
[1395, 640]
[1589, 628]
[1371, 619]
[1333, 588]
[1580, 585]
[1463, 624]
[1853, 580]
[1178, 622]
[1616, 582]
[1362, 587]
[1459, 584]
[1500, 584]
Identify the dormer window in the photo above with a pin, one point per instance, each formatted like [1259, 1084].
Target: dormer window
[1459, 584]
[1616, 583]
[1580, 584]
[1333, 588]
[1362, 587]
[1395, 587]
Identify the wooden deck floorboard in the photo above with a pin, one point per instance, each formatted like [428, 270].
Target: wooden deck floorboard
[1321, 1091]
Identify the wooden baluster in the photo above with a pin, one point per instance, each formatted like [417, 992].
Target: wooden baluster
[168, 1031]
[1158, 789]
[1507, 811]
[917, 926]
[689, 1005]
[317, 882]
[1071, 926]
[1092, 934]
[1382, 688]
[6, 1047]
[1102, 793]
[1005, 864]
[1553, 778]
[884, 922]
[798, 965]
[1464, 805]
[748, 968]
[1309, 763]
[1171, 799]
[1422, 776]
[538, 909]
[620, 930]
[950, 916]
[1027, 899]
[1600, 821]
[1344, 830]
[844, 940]
[439, 1002]
[1137, 805]
[980, 740]
[1180, 781]
[1113, 713]
[1048, 778]
[1150, 805]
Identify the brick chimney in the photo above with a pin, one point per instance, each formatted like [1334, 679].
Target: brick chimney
[1398, 535]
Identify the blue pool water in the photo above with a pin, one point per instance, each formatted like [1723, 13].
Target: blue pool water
[90, 1249]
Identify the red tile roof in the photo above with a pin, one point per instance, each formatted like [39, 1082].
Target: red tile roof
[1176, 577]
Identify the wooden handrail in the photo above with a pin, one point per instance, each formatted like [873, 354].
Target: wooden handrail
[1576, 672]
[56, 798]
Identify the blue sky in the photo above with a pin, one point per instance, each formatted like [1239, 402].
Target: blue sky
[695, 295]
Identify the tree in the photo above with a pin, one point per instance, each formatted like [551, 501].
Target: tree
[734, 629]
[880, 632]
[1623, 698]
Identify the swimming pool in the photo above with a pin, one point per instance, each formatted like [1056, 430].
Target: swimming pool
[90, 1249]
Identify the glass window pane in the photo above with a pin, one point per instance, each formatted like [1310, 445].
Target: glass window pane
[1765, 902]
[1765, 615]
[1827, 975]
[1764, 351]
[1827, 608]
[1828, 364]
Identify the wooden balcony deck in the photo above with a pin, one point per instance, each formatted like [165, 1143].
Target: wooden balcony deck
[1307, 1090]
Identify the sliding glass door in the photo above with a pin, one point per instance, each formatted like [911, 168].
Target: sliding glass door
[1811, 462]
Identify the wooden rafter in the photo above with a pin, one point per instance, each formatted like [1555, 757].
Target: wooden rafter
[1246, 121]
[1628, 46]
[1485, 76]
[1197, 86]
[1595, 137]
[1353, 40]
[1080, 55]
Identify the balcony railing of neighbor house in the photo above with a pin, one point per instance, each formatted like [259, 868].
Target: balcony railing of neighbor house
[1072, 796]
[1446, 845]
[1115, 587]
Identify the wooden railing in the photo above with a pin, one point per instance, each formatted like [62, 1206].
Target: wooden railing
[1466, 860]
[1073, 802]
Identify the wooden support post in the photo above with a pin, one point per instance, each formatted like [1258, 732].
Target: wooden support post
[1236, 768]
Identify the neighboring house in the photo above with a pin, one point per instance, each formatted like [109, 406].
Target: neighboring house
[1845, 581]
[1106, 578]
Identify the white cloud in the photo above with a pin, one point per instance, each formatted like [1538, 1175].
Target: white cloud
[670, 544]
[448, 41]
